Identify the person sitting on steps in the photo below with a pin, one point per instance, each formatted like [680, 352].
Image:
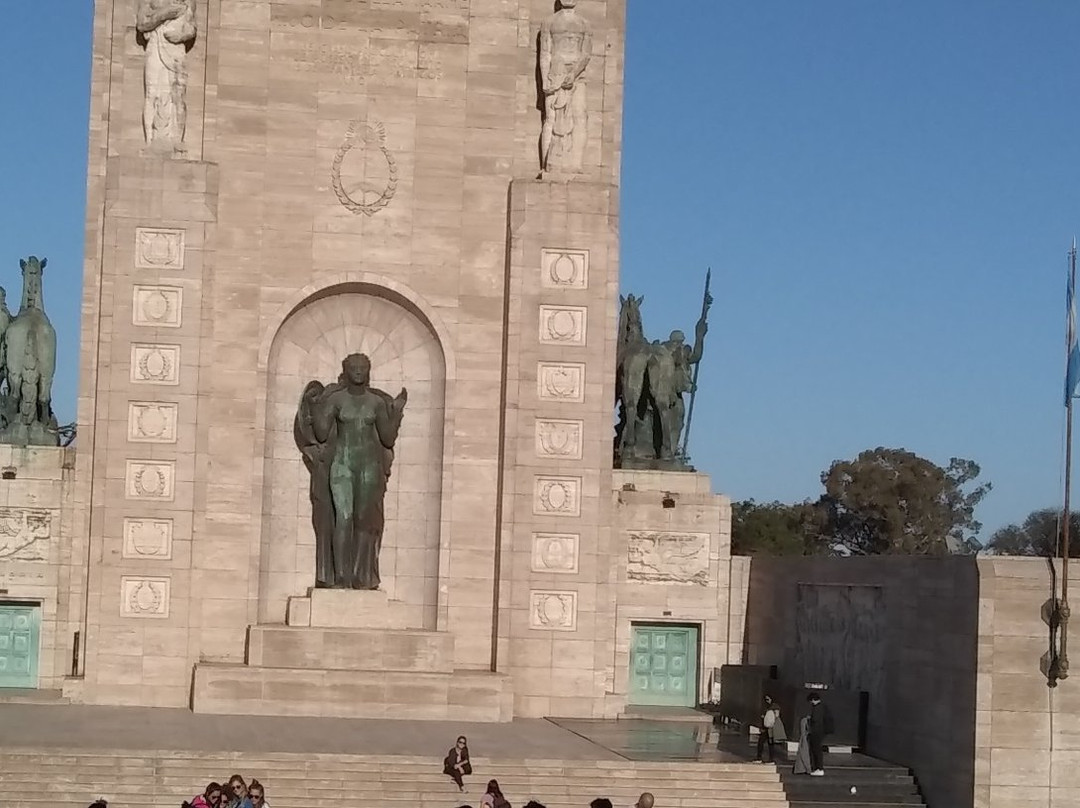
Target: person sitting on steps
[456, 764]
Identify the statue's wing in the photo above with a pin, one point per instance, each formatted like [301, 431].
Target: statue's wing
[303, 428]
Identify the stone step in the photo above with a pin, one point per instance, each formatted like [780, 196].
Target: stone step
[350, 649]
[210, 762]
[460, 695]
[66, 778]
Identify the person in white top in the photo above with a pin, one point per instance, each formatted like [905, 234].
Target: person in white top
[772, 730]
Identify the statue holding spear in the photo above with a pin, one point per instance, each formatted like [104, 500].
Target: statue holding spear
[652, 380]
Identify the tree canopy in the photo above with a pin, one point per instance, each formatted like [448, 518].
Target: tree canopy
[893, 501]
[1036, 536]
[885, 501]
[774, 528]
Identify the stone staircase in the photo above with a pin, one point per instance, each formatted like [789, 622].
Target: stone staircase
[876, 784]
[132, 779]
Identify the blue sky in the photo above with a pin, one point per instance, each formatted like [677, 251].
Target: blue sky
[885, 191]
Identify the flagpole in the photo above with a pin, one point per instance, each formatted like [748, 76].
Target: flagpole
[1063, 609]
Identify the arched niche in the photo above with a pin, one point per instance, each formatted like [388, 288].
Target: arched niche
[404, 352]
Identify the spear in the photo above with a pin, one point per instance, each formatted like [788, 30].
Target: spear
[706, 301]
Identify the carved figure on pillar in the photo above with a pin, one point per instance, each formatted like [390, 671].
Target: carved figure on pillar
[565, 49]
[167, 28]
[652, 379]
[346, 432]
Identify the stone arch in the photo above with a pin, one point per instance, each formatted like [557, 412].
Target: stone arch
[405, 351]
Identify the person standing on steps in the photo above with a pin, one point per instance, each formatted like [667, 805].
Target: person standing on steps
[646, 800]
[457, 765]
[772, 730]
[819, 726]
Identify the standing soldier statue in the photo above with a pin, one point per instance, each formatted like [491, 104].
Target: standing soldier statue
[652, 379]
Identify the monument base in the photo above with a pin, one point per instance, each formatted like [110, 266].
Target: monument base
[351, 654]
[351, 608]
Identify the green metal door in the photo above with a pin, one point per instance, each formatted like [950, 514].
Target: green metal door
[663, 666]
[19, 630]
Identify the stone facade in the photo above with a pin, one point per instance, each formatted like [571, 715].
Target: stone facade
[366, 176]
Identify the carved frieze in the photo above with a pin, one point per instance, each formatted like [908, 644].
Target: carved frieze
[557, 496]
[144, 597]
[152, 421]
[560, 381]
[155, 364]
[159, 248]
[563, 325]
[558, 439]
[148, 538]
[151, 480]
[661, 557]
[25, 534]
[555, 553]
[552, 610]
[157, 306]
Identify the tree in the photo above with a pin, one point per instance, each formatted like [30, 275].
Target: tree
[893, 501]
[1037, 536]
[774, 528]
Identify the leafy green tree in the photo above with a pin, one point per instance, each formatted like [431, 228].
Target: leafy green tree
[1036, 536]
[891, 501]
[775, 528]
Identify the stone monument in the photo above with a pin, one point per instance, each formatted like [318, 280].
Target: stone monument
[360, 178]
[346, 433]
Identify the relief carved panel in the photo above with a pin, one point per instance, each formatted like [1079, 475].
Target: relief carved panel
[148, 538]
[152, 421]
[25, 534]
[679, 558]
[155, 364]
[557, 496]
[159, 248]
[150, 480]
[555, 553]
[563, 325]
[564, 269]
[560, 381]
[157, 306]
[558, 440]
[144, 597]
[553, 611]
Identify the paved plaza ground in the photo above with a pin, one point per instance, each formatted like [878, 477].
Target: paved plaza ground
[75, 727]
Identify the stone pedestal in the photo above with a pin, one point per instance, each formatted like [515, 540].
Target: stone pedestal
[351, 608]
[351, 654]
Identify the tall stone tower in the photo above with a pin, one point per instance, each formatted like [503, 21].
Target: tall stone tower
[275, 184]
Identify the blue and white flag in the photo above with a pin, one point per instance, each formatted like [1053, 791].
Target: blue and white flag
[1072, 367]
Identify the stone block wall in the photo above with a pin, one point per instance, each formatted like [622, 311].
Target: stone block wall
[951, 653]
[35, 560]
[1027, 735]
[903, 629]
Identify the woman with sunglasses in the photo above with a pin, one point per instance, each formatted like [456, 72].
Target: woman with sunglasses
[257, 795]
[237, 793]
[457, 764]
